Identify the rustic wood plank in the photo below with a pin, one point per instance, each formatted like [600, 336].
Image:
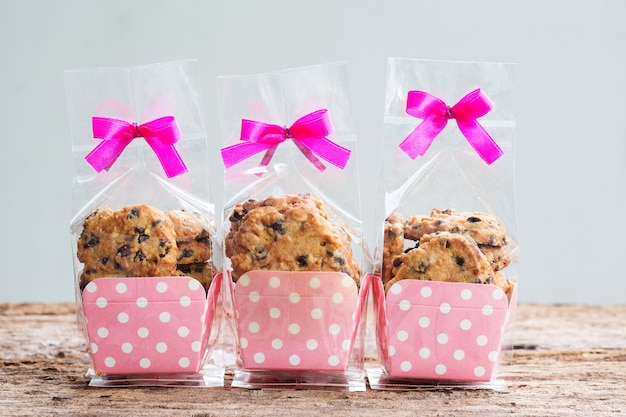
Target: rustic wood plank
[568, 360]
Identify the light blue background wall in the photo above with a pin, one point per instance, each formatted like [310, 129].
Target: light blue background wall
[571, 144]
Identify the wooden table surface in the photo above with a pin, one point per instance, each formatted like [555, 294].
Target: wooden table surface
[565, 360]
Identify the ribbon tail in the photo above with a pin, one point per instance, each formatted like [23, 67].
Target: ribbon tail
[306, 151]
[480, 140]
[327, 150]
[419, 140]
[234, 154]
[106, 153]
[169, 157]
[268, 156]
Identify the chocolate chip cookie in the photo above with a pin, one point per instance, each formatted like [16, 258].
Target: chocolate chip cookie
[484, 228]
[448, 246]
[133, 241]
[192, 239]
[393, 243]
[443, 256]
[287, 233]
[498, 256]
[201, 271]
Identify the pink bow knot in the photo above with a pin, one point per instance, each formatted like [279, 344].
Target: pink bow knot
[308, 133]
[435, 114]
[161, 134]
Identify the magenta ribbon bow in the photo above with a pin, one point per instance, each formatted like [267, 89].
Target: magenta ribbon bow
[161, 134]
[435, 114]
[308, 133]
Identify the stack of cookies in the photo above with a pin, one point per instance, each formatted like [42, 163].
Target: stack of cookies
[447, 246]
[287, 233]
[144, 241]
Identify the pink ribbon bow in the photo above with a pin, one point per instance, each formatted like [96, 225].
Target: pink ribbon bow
[308, 133]
[435, 114]
[161, 134]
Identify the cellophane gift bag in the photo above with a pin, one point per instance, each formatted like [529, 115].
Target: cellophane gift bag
[292, 229]
[448, 244]
[143, 227]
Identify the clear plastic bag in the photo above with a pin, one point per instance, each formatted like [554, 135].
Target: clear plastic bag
[288, 139]
[143, 225]
[448, 163]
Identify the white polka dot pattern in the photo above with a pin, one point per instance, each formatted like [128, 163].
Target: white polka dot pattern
[441, 331]
[285, 317]
[148, 325]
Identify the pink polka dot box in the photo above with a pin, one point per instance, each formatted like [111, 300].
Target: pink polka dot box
[440, 331]
[297, 321]
[151, 325]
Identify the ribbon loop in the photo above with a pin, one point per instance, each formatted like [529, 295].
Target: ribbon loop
[161, 134]
[435, 114]
[308, 133]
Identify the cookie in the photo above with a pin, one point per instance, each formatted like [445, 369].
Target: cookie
[498, 256]
[287, 233]
[393, 244]
[443, 256]
[201, 271]
[133, 241]
[500, 280]
[484, 228]
[89, 275]
[279, 202]
[192, 239]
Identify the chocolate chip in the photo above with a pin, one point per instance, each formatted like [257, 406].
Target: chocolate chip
[204, 239]
[134, 212]
[104, 261]
[156, 223]
[459, 260]
[93, 241]
[237, 215]
[140, 256]
[141, 231]
[302, 260]
[422, 267]
[91, 271]
[397, 262]
[339, 260]
[473, 219]
[187, 253]
[277, 226]
[124, 251]
[447, 244]
[166, 249]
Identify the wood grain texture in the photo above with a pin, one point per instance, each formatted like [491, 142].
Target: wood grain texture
[565, 360]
